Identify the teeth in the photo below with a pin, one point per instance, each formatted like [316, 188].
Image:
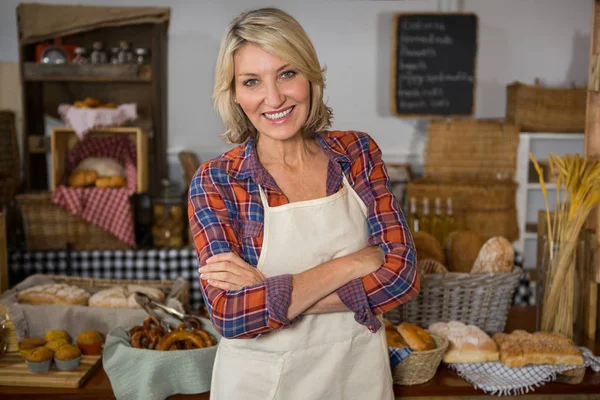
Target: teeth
[279, 114]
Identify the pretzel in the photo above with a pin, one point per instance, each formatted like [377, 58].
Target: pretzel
[143, 340]
[149, 323]
[177, 336]
[209, 340]
[135, 329]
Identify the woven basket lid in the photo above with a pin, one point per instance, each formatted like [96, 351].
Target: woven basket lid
[471, 149]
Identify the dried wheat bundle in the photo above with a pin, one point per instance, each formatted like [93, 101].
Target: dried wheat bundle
[577, 193]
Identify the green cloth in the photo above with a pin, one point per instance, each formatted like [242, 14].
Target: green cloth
[151, 374]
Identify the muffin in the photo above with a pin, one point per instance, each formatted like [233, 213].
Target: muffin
[28, 344]
[54, 345]
[57, 334]
[39, 359]
[90, 342]
[67, 358]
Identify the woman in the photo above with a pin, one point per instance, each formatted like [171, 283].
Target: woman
[300, 243]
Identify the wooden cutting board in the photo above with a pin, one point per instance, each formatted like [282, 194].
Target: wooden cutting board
[14, 372]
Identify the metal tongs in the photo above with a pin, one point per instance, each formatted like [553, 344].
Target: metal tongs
[150, 305]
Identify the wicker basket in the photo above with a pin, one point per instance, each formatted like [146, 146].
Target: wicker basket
[538, 109]
[50, 227]
[10, 177]
[482, 300]
[420, 366]
[473, 162]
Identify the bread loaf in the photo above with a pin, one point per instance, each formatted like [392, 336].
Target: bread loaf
[124, 296]
[462, 249]
[54, 293]
[521, 348]
[428, 247]
[496, 255]
[468, 343]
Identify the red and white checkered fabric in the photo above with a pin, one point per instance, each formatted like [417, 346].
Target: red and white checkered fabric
[107, 208]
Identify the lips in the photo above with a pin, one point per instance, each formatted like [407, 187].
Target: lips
[279, 115]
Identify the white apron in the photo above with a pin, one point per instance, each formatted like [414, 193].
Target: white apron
[321, 356]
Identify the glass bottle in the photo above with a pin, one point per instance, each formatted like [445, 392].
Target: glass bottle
[141, 56]
[413, 216]
[125, 54]
[167, 215]
[437, 221]
[425, 220]
[80, 56]
[114, 55]
[449, 220]
[98, 55]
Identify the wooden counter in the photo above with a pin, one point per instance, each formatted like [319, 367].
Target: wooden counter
[445, 384]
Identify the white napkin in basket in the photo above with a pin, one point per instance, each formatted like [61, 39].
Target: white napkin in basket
[497, 379]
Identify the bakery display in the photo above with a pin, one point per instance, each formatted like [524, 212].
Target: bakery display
[496, 255]
[416, 337]
[184, 337]
[468, 343]
[54, 293]
[90, 342]
[462, 249]
[124, 296]
[520, 348]
[67, 358]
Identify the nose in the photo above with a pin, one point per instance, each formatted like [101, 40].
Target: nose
[274, 98]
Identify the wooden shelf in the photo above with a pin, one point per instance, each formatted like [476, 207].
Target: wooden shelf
[537, 186]
[37, 72]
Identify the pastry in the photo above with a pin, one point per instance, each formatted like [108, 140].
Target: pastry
[28, 344]
[57, 334]
[111, 182]
[394, 338]
[189, 335]
[56, 344]
[107, 105]
[39, 359]
[54, 293]
[90, 342]
[82, 178]
[428, 247]
[91, 102]
[416, 337]
[173, 337]
[67, 358]
[462, 249]
[124, 296]
[468, 343]
[496, 255]
[103, 166]
[521, 348]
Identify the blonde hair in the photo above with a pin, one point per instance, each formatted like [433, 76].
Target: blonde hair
[281, 35]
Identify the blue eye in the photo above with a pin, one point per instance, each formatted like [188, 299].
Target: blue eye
[250, 82]
[288, 74]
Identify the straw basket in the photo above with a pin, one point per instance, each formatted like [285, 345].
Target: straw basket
[420, 366]
[473, 162]
[50, 227]
[538, 109]
[482, 300]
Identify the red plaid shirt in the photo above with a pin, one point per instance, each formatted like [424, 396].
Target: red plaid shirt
[226, 215]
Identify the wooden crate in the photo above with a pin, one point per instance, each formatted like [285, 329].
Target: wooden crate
[63, 139]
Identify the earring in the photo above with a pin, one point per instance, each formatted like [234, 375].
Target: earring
[235, 101]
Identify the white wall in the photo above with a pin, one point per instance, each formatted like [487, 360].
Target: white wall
[518, 40]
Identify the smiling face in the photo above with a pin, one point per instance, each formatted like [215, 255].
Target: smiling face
[274, 95]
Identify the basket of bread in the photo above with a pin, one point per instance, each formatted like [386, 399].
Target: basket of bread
[471, 279]
[427, 352]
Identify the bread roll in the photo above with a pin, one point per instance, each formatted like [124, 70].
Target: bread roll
[468, 343]
[111, 182]
[428, 247]
[82, 178]
[104, 166]
[462, 249]
[496, 255]
[124, 296]
[54, 293]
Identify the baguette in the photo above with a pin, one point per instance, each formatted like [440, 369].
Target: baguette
[54, 293]
[468, 343]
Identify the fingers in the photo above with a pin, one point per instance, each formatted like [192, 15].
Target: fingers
[224, 277]
[224, 285]
[222, 266]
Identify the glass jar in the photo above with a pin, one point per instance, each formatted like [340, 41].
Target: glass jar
[141, 56]
[168, 216]
[80, 56]
[125, 54]
[98, 55]
[114, 55]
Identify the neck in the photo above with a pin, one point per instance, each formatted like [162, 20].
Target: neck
[294, 151]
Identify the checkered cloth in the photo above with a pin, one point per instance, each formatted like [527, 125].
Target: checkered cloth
[107, 208]
[83, 120]
[497, 379]
[397, 355]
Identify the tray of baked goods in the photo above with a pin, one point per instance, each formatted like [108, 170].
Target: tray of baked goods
[505, 363]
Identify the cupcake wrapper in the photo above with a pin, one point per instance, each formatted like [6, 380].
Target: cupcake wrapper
[38, 367]
[67, 365]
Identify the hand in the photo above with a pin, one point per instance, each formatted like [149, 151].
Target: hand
[228, 271]
[367, 260]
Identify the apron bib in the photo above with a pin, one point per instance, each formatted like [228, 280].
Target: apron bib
[321, 356]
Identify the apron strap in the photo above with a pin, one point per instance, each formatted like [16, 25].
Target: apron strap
[263, 197]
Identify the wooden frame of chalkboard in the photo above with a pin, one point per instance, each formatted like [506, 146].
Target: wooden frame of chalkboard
[450, 58]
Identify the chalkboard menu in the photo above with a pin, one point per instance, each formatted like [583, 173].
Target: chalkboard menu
[433, 64]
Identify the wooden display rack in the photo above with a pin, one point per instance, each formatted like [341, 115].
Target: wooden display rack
[63, 139]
